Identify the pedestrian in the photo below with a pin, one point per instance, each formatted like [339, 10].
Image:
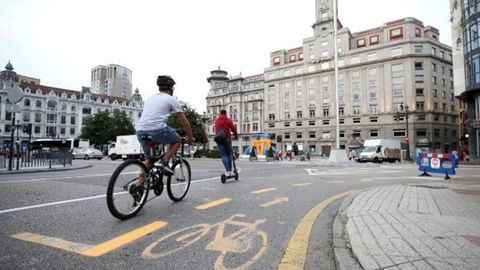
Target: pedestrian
[225, 145]
[153, 122]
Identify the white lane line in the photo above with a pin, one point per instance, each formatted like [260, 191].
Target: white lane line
[81, 199]
[55, 178]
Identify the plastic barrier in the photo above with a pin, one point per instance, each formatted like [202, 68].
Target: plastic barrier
[434, 163]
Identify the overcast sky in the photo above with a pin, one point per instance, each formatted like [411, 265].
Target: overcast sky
[60, 41]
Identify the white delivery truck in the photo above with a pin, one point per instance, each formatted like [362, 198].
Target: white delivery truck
[126, 147]
[379, 150]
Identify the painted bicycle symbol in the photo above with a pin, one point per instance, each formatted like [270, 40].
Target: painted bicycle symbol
[246, 239]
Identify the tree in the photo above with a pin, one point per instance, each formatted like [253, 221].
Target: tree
[104, 127]
[195, 120]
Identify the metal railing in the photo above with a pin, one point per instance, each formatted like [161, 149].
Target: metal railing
[45, 157]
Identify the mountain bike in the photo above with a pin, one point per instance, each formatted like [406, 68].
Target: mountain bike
[126, 196]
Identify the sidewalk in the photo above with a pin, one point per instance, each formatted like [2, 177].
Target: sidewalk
[428, 226]
[44, 168]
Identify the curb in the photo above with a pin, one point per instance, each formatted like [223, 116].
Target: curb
[344, 258]
[53, 169]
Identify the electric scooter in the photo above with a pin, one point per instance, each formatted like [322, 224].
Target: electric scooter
[235, 175]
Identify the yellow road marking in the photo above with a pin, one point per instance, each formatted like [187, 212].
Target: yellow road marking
[263, 190]
[301, 184]
[213, 203]
[296, 251]
[123, 239]
[51, 242]
[275, 201]
[89, 250]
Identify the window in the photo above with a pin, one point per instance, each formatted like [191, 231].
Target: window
[373, 119]
[341, 121]
[418, 32]
[26, 102]
[38, 104]
[357, 133]
[420, 117]
[72, 131]
[421, 133]
[418, 66]
[326, 122]
[312, 113]
[63, 120]
[72, 120]
[419, 92]
[373, 109]
[434, 67]
[418, 48]
[341, 111]
[374, 40]
[356, 120]
[356, 110]
[286, 124]
[298, 123]
[287, 135]
[311, 123]
[373, 133]
[38, 117]
[299, 135]
[271, 117]
[418, 78]
[326, 112]
[286, 115]
[312, 134]
[74, 109]
[255, 127]
[396, 33]
[361, 42]
[276, 61]
[299, 114]
[399, 133]
[420, 106]
[292, 58]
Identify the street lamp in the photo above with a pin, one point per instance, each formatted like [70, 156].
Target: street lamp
[404, 112]
[205, 119]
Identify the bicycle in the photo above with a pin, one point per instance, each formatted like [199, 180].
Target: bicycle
[126, 197]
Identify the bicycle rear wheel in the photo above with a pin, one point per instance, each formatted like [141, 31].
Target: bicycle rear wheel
[179, 183]
[125, 197]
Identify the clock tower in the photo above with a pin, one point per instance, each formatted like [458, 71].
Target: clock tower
[323, 17]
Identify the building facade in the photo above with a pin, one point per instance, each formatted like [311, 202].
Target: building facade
[55, 112]
[465, 18]
[400, 66]
[111, 80]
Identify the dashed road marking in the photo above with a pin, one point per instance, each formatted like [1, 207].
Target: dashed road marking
[263, 190]
[274, 201]
[212, 204]
[301, 184]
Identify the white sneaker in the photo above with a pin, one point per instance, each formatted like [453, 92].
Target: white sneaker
[229, 174]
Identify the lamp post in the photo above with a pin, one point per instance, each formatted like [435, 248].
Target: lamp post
[205, 118]
[404, 112]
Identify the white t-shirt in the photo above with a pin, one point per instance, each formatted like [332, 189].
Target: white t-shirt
[156, 111]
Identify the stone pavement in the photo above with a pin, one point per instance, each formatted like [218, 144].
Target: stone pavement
[428, 226]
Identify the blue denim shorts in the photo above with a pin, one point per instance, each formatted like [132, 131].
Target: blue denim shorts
[166, 135]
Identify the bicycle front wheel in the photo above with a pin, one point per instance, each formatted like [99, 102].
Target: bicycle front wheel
[125, 195]
[179, 183]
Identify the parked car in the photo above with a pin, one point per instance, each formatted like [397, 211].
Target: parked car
[86, 153]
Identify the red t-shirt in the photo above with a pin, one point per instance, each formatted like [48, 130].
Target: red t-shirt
[223, 120]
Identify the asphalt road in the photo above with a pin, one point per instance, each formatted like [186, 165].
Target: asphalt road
[266, 220]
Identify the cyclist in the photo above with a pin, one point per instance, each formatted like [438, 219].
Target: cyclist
[225, 146]
[153, 122]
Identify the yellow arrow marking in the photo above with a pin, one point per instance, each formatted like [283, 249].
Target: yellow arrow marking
[274, 201]
[88, 250]
[263, 190]
[296, 251]
[212, 203]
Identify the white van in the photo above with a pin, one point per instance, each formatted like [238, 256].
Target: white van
[379, 150]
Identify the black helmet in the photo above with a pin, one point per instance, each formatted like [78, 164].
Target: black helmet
[165, 82]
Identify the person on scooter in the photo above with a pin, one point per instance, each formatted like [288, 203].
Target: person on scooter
[225, 146]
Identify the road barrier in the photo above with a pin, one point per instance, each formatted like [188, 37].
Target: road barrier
[435, 163]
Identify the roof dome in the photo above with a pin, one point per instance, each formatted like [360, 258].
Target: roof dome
[8, 74]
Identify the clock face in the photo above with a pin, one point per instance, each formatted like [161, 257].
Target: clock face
[324, 2]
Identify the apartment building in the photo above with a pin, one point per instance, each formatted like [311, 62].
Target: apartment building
[466, 66]
[111, 80]
[55, 112]
[400, 66]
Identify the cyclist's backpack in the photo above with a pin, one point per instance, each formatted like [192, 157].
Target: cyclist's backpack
[219, 135]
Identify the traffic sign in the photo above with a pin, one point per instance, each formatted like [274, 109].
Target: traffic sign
[15, 94]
